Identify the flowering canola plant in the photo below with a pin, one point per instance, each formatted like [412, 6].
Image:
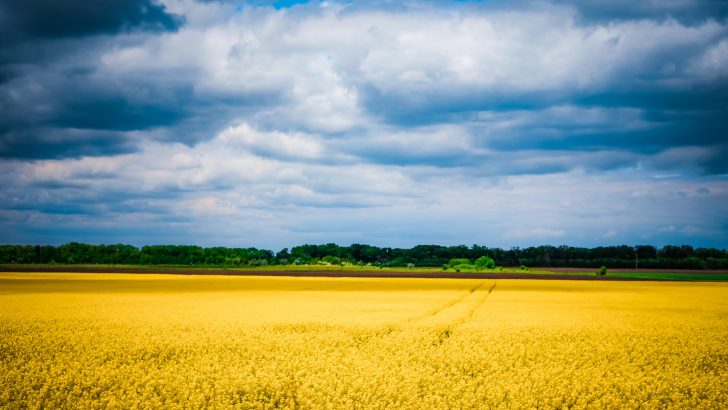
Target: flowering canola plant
[140, 341]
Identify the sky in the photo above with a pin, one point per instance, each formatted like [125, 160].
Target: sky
[392, 123]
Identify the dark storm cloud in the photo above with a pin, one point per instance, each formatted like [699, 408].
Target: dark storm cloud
[641, 85]
[716, 162]
[444, 104]
[117, 114]
[72, 114]
[57, 143]
[75, 97]
[52, 104]
[679, 92]
[66, 201]
[710, 160]
[658, 130]
[688, 11]
[589, 11]
[48, 19]
[696, 116]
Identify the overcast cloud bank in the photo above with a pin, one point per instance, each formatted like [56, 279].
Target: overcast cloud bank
[396, 123]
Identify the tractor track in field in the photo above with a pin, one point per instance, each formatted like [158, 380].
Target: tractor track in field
[325, 273]
[449, 304]
[442, 331]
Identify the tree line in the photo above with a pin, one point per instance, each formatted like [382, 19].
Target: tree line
[643, 256]
[81, 253]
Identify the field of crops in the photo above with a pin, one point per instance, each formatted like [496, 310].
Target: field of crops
[125, 341]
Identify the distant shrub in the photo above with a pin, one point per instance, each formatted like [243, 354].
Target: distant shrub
[524, 267]
[444, 266]
[485, 262]
[458, 261]
[410, 265]
[602, 271]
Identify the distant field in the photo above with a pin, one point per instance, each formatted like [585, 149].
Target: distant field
[370, 271]
[120, 341]
[673, 276]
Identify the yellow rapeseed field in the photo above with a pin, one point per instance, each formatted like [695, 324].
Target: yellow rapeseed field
[163, 341]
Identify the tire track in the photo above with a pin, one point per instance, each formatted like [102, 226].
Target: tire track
[447, 305]
[402, 326]
[444, 335]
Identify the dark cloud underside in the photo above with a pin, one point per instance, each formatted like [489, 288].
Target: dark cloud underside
[48, 19]
[690, 11]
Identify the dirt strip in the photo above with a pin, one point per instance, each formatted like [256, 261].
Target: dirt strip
[331, 274]
[640, 270]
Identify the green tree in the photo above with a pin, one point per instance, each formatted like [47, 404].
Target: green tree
[283, 255]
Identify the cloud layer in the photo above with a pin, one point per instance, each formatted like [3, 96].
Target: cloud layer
[277, 123]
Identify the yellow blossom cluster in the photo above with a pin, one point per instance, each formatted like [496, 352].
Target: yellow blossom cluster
[165, 341]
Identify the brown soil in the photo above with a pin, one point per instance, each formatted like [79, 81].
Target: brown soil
[687, 271]
[348, 274]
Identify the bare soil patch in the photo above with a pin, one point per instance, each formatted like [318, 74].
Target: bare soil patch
[631, 270]
[562, 273]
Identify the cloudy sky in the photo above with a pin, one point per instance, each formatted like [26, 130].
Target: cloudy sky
[393, 123]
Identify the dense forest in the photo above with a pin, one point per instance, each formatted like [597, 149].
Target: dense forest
[644, 256]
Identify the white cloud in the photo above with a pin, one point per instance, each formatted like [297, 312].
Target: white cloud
[385, 126]
[220, 195]
[274, 144]
[319, 69]
[712, 64]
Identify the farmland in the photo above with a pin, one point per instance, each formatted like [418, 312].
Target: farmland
[120, 341]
